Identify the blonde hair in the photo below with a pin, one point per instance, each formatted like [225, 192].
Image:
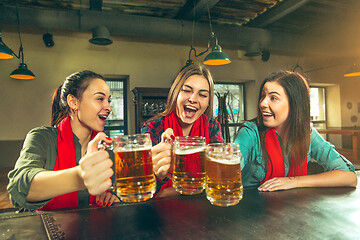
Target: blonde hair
[195, 69]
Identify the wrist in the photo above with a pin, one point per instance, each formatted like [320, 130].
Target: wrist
[79, 178]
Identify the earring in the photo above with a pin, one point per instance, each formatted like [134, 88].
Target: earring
[75, 109]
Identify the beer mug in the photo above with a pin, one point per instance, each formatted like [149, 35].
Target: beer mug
[223, 174]
[188, 165]
[134, 173]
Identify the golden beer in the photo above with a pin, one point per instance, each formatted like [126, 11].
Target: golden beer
[188, 170]
[223, 178]
[134, 173]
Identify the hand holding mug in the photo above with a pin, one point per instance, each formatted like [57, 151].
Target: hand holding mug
[162, 154]
[95, 167]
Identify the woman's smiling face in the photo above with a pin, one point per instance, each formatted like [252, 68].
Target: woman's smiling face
[193, 99]
[274, 106]
[94, 105]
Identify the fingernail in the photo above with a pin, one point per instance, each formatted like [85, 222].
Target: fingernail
[172, 137]
[100, 204]
[108, 138]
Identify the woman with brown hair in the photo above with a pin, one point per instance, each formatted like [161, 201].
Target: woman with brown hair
[188, 113]
[277, 145]
[59, 165]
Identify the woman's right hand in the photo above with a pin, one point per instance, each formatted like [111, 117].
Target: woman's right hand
[161, 154]
[95, 166]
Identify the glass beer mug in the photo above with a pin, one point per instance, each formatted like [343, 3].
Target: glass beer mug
[134, 173]
[188, 165]
[223, 174]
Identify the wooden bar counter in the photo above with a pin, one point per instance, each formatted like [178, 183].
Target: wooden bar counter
[304, 213]
[355, 133]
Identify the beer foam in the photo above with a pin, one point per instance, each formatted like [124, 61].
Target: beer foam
[189, 151]
[231, 161]
[127, 149]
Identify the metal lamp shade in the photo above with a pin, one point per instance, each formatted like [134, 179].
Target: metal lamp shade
[100, 36]
[354, 71]
[5, 52]
[217, 57]
[22, 73]
[253, 50]
[189, 62]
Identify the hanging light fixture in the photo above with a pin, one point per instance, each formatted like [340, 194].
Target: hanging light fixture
[253, 49]
[216, 57]
[100, 36]
[353, 71]
[5, 51]
[22, 72]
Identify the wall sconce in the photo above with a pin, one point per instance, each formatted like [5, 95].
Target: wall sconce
[100, 36]
[22, 72]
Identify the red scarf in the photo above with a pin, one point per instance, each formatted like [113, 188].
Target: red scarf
[276, 166]
[66, 158]
[200, 128]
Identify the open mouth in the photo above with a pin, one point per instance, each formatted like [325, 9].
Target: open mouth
[267, 114]
[190, 111]
[103, 117]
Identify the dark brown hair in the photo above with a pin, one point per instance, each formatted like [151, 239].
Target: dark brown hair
[75, 84]
[297, 131]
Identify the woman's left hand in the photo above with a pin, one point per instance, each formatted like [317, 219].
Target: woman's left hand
[278, 183]
[106, 199]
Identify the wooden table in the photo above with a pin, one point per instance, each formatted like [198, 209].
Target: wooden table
[355, 133]
[304, 213]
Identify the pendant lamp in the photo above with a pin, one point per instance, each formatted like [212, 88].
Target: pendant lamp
[22, 72]
[5, 52]
[100, 36]
[253, 50]
[353, 71]
[217, 57]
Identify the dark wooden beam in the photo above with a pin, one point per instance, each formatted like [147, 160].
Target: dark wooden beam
[275, 13]
[200, 7]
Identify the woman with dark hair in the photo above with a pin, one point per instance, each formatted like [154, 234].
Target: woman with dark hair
[60, 165]
[277, 145]
[188, 113]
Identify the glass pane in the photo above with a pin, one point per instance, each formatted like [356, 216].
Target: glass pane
[317, 104]
[116, 117]
[234, 101]
[113, 133]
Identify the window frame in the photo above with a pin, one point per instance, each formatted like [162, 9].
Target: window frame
[124, 79]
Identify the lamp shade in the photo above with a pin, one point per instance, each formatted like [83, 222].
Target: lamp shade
[22, 73]
[100, 36]
[5, 52]
[253, 50]
[188, 63]
[353, 71]
[217, 57]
